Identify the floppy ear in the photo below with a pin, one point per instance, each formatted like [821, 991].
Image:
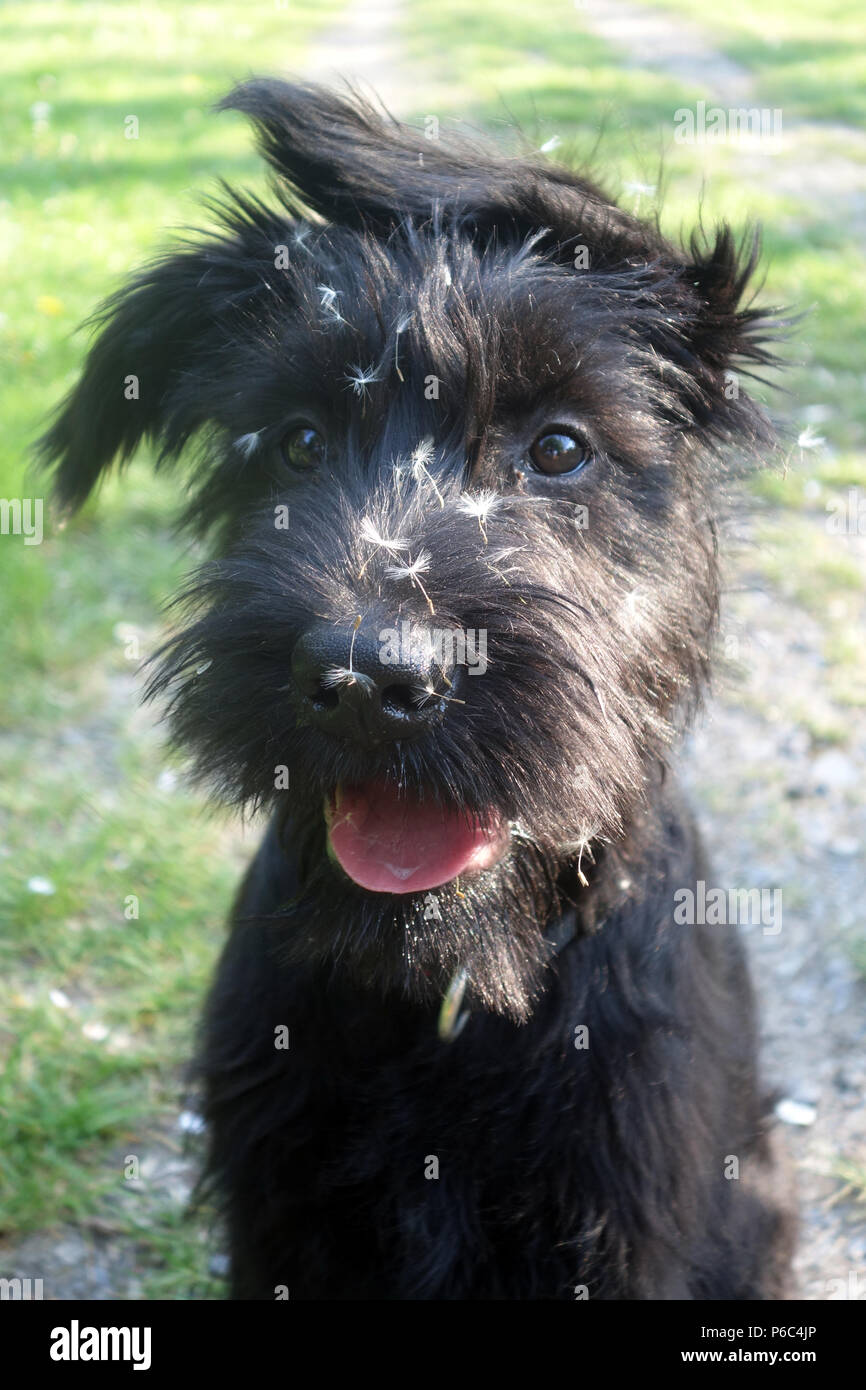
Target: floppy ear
[139, 378]
[350, 161]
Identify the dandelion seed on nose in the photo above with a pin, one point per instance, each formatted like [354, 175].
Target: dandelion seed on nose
[412, 571]
[345, 675]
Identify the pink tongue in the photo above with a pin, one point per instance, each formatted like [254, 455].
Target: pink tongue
[392, 844]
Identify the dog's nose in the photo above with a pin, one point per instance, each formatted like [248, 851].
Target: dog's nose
[374, 683]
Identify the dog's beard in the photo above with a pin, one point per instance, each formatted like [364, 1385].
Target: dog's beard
[489, 926]
[560, 735]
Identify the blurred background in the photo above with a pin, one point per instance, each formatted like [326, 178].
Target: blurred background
[114, 879]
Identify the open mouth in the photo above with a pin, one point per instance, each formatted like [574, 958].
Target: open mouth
[396, 843]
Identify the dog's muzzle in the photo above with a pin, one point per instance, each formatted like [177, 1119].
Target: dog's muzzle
[357, 684]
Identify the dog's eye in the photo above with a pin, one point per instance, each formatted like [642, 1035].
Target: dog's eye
[558, 452]
[304, 447]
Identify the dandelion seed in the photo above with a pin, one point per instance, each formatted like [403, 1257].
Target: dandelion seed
[431, 694]
[481, 506]
[344, 675]
[247, 444]
[355, 626]
[810, 440]
[582, 878]
[420, 457]
[640, 190]
[328, 299]
[412, 571]
[500, 555]
[361, 378]
[401, 327]
[370, 534]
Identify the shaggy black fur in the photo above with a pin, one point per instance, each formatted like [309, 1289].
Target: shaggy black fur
[432, 309]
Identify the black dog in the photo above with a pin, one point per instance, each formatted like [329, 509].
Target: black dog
[464, 429]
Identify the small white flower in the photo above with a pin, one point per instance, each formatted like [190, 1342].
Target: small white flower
[190, 1123]
[96, 1032]
[59, 999]
[43, 886]
[550, 145]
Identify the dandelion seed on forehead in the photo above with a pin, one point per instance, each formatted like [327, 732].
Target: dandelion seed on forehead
[423, 452]
[361, 378]
[247, 444]
[419, 458]
[402, 325]
[328, 298]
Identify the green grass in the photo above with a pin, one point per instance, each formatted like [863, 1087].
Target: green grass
[809, 59]
[82, 804]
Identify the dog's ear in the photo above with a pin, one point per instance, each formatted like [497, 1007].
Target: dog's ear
[709, 336]
[341, 156]
[142, 376]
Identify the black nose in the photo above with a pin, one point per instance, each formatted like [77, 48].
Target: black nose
[373, 682]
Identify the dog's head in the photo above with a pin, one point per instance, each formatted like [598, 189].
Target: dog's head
[459, 425]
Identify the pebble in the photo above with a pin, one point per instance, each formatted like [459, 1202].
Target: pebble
[833, 771]
[794, 1112]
